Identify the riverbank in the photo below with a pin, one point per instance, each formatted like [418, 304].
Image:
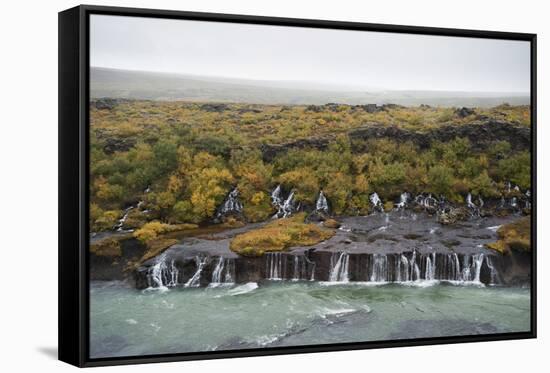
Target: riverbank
[399, 246]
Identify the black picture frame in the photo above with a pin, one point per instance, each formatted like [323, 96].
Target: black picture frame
[74, 180]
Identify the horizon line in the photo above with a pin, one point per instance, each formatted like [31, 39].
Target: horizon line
[335, 85]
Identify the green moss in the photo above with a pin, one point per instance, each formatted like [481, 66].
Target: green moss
[513, 236]
[109, 247]
[331, 223]
[279, 235]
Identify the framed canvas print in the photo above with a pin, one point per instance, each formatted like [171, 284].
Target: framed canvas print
[238, 186]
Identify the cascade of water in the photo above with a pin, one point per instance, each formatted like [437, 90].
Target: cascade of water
[430, 267]
[162, 275]
[274, 266]
[276, 198]
[285, 207]
[223, 272]
[119, 227]
[217, 273]
[376, 201]
[194, 281]
[480, 202]
[288, 205]
[404, 271]
[300, 269]
[469, 202]
[456, 267]
[321, 204]
[231, 204]
[466, 268]
[379, 268]
[492, 270]
[155, 275]
[426, 202]
[477, 263]
[339, 268]
[415, 270]
[403, 200]
[229, 277]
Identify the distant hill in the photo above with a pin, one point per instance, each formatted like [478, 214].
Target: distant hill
[116, 83]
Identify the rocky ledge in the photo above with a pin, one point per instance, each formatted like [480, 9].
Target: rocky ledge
[481, 133]
[399, 246]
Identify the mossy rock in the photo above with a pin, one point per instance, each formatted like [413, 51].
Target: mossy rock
[513, 236]
[279, 235]
[157, 246]
[109, 247]
[331, 223]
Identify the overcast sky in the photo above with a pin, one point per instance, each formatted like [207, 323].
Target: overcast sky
[345, 58]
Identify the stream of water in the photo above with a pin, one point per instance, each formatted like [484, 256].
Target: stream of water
[129, 322]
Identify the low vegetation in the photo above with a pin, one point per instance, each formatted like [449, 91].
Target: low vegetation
[188, 156]
[513, 236]
[279, 235]
[109, 247]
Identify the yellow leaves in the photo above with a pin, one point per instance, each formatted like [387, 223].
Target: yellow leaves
[258, 198]
[204, 202]
[175, 184]
[279, 235]
[361, 184]
[515, 236]
[150, 231]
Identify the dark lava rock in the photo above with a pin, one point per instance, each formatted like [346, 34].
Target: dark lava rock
[214, 108]
[371, 108]
[104, 103]
[464, 112]
[317, 216]
[482, 134]
[314, 108]
[452, 215]
[113, 145]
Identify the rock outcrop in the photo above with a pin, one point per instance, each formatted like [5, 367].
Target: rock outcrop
[482, 135]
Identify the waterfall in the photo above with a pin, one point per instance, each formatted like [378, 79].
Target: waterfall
[288, 205]
[426, 202]
[376, 202]
[430, 267]
[403, 201]
[223, 273]
[231, 204]
[492, 271]
[194, 281]
[471, 268]
[299, 268]
[379, 268]
[339, 268]
[285, 207]
[402, 272]
[322, 204]
[469, 202]
[161, 275]
[276, 198]
[456, 267]
[274, 266]
[119, 227]
[477, 263]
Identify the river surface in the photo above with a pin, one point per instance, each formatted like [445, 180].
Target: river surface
[129, 322]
